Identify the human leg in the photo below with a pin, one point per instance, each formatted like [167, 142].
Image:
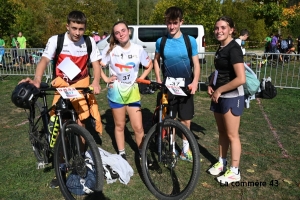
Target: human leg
[119, 120]
[135, 116]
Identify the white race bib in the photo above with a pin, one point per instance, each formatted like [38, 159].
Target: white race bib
[180, 82]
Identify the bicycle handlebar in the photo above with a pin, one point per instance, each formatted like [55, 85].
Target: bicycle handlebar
[148, 82]
[85, 90]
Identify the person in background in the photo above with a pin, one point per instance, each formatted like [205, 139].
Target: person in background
[14, 45]
[298, 46]
[2, 50]
[104, 35]
[22, 45]
[274, 43]
[123, 93]
[227, 100]
[268, 43]
[96, 37]
[244, 34]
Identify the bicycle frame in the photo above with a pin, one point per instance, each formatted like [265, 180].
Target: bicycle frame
[61, 107]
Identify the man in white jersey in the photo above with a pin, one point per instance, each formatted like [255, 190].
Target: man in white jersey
[75, 49]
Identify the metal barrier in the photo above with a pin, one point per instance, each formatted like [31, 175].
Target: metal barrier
[284, 69]
[21, 62]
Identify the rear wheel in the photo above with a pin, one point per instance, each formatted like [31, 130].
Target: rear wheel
[172, 177]
[76, 159]
[37, 136]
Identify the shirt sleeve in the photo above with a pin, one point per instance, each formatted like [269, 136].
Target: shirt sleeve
[236, 55]
[145, 59]
[95, 54]
[194, 46]
[50, 49]
[157, 45]
[105, 58]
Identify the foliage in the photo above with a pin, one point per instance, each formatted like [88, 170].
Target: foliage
[269, 10]
[195, 12]
[40, 19]
[8, 18]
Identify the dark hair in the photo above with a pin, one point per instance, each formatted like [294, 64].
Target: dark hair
[113, 41]
[173, 13]
[229, 22]
[77, 17]
[244, 32]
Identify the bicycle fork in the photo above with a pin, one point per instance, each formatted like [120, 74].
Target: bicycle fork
[63, 134]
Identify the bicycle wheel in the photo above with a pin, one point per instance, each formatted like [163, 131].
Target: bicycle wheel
[37, 135]
[76, 160]
[172, 178]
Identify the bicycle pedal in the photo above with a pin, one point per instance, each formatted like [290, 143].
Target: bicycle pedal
[41, 165]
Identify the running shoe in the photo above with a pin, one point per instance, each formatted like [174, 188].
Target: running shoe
[229, 177]
[186, 156]
[217, 168]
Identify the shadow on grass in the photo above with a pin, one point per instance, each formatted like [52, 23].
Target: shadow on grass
[109, 128]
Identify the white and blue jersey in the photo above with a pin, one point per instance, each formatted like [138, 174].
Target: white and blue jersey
[176, 58]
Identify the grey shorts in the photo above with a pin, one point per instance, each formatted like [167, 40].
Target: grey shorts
[236, 104]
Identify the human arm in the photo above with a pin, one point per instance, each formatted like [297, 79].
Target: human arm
[156, 63]
[97, 75]
[103, 75]
[240, 79]
[194, 85]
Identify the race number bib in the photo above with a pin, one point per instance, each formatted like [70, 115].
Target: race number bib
[68, 92]
[174, 84]
[180, 82]
[127, 78]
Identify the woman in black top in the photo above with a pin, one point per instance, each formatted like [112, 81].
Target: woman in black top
[227, 99]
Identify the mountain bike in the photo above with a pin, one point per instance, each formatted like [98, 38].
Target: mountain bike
[165, 174]
[67, 149]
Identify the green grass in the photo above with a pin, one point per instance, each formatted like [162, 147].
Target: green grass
[261, 151]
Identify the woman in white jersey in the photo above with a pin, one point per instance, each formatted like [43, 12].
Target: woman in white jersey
[123, 94]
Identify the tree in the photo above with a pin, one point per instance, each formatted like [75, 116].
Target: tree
[8, 9]
[195, 12]
[270, 11]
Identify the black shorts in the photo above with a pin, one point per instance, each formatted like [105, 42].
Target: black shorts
[236, 104]
[183, 105]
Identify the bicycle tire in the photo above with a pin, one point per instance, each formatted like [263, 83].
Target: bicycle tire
[38, 136]
[184, 175]
[75, 160]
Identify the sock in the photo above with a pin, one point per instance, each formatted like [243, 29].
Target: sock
[223, 161]
[174, 147]
[121, 151]
[234, 170]
[185, 145]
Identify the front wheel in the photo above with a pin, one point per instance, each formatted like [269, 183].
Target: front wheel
[75, 163]
[177, 174]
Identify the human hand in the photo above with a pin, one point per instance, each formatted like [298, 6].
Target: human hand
[210, 91]
[193, 87]
[96, 87]
[36, 83]
[215, 96]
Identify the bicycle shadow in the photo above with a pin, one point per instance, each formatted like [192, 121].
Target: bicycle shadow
[90, 126]
[203, 151]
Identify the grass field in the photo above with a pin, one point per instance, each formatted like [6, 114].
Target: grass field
[270, 134]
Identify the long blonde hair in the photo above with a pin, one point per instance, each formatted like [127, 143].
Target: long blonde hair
[113, 41]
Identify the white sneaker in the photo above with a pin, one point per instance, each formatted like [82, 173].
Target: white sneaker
[217, 168]
[229, 177]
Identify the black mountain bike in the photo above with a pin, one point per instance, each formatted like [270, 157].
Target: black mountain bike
[68, 153]
[166, 175]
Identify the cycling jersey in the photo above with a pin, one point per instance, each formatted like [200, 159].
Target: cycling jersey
[124, 63]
